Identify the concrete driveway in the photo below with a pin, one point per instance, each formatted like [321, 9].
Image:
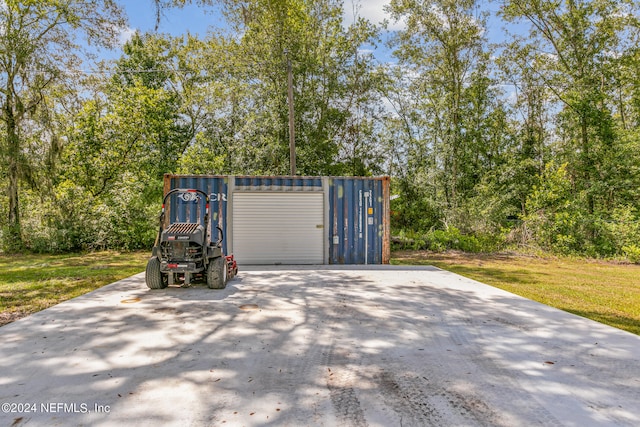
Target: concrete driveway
[385, 346]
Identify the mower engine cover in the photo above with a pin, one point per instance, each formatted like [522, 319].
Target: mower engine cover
[182, 247]
[184, 231]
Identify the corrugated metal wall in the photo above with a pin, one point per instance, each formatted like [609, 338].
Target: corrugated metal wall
[358, 220]
[356, 210]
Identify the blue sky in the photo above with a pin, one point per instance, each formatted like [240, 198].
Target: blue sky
[176, 21]
[197, 20]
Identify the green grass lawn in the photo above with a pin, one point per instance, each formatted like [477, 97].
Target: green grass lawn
[30, 283]
[603, 291]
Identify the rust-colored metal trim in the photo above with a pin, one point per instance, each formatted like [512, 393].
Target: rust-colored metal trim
[167, 184]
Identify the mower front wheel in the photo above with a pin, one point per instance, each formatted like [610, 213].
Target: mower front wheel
[153, 275]
[217, 274]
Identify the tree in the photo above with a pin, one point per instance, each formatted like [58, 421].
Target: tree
[39, 38]
[454, 121]
[141, 114]
[579, 53]
[530, 126]
[335, 87]
[164, 65]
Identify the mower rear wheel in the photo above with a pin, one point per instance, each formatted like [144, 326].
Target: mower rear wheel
[217, 274]
[153, 275]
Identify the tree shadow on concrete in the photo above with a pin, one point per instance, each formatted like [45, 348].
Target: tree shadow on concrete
[319, 346]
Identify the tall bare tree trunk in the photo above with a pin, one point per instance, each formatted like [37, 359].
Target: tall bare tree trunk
[13, 148]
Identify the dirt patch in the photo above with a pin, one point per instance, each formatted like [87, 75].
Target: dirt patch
[422, 257]
[453, 256]
[11, 316]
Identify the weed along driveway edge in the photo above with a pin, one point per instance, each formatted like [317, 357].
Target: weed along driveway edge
[353, 346]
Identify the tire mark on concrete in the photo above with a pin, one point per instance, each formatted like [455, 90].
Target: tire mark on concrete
[408, 399]
[342, 375]
[341, 379]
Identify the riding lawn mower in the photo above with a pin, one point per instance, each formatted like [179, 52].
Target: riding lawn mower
[185, 251]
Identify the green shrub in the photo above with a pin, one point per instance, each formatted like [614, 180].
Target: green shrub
[443, 240]
[408, 240]
[632, 252]
[623, 229]
[452, 238]
[71, 219]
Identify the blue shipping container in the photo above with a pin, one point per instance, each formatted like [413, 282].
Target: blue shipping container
[354, 220]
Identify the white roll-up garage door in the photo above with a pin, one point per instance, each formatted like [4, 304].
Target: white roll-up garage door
[278, 228]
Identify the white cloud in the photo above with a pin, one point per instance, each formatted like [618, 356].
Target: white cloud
[371, 10]
[125, 35]
[366, 51]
